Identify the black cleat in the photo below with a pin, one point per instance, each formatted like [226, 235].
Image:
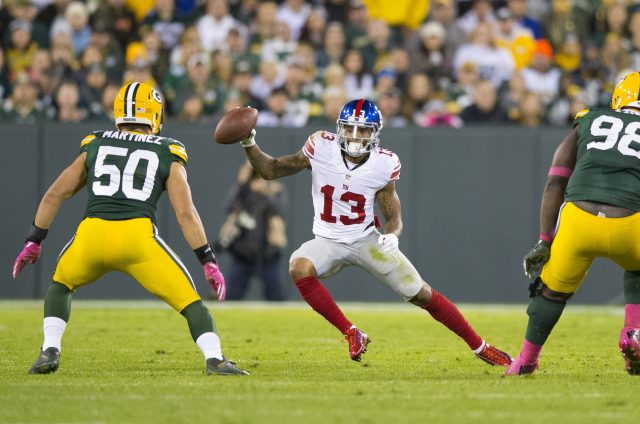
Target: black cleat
[48, 361]
[223, 367]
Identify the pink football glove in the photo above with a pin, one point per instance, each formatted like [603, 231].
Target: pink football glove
[30, 253]
[216, 280]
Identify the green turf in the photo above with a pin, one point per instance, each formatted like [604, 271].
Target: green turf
[122, 363]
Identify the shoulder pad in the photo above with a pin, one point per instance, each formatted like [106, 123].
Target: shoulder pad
[178, 149]
[88, 139]
[579, 116]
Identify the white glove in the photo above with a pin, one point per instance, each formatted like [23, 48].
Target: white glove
[388, 243]
[250, 140]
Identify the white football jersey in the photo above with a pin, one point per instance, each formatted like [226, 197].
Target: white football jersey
[343, 199]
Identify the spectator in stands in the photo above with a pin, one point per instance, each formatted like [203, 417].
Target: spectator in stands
[294, 13]
[5, 85]
[281, 46]
[615, 22]
[376, 51]
[22, 107]
[334, 46]
[67, 102]
[109, 94]
[139, 70]
[118, 20]
[269, 78]
[390, 105]
[112, 52]
[236, 47]
[615, 56]
[25, 10]
[516, 39]
[91, 87]
[386, 80]
[561, 112]
[163, 21]
[518, 9]
[485, 108]
[634, 48]
[494, 63]
[541, 76]
[531, 113]
[430, 56]
[279, 113]
[222, 67]
[264, 25]
[481, 12]
[64, 62]
[460, 93]
[358, 83]
[569, 55]
[157, 56]
[564, 19]
[314, 28]
[511, 95]
[355, 29]
[241, 86]
[254, 234]
[192, 109]
[51, 13]
[437, 114]
[419, 97]
[444, 12]
[21, 50]
[333, 99]
[76, 23]
[215, 24]
[200, 83]
[41, 75]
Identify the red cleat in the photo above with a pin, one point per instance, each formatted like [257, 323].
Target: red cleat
[493, 356]
[630, 348]
[358, 342]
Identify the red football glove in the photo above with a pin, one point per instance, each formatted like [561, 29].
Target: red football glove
[30, 253]
[216, 280]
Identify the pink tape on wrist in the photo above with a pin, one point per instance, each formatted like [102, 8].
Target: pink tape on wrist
[561, 171]
[546, 237]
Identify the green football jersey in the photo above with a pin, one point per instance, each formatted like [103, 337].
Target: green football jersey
[127, 172]
[608, 160]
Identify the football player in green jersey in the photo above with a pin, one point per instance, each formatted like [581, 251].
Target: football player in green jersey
[125, 172]
[589, 209]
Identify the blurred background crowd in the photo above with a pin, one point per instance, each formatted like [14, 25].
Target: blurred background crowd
[425, 62]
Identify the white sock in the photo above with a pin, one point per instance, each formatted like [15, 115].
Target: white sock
[478, 350]
[209, 344]
[53, 330]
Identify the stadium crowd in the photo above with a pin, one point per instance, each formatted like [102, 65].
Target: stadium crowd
[425, 63]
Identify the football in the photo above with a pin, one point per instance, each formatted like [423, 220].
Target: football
[236, 125]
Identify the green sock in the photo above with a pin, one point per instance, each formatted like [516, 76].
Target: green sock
[543, 315]
[57, 302]
[199, 319]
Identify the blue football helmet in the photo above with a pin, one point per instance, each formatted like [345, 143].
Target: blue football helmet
[358, 127]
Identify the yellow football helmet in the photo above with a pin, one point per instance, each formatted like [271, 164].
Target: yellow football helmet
[139, 103]
[626, 92]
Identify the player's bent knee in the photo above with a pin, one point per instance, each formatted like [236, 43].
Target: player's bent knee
[423, 297]
[301, 268]
[554, 295]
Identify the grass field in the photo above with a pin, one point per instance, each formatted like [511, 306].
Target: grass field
[135, 362]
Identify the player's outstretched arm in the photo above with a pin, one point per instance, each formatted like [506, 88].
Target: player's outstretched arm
[189, 220]
[389, 205]
[68, 183]
[564, 160]
[269, 167]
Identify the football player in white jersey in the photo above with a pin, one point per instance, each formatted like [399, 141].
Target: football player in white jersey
[351, 173]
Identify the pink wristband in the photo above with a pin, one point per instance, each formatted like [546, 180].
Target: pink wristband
[561, 171]
[546, 237]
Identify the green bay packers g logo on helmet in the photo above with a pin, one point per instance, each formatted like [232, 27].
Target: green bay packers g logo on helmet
[138, 103]
[626, 92]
